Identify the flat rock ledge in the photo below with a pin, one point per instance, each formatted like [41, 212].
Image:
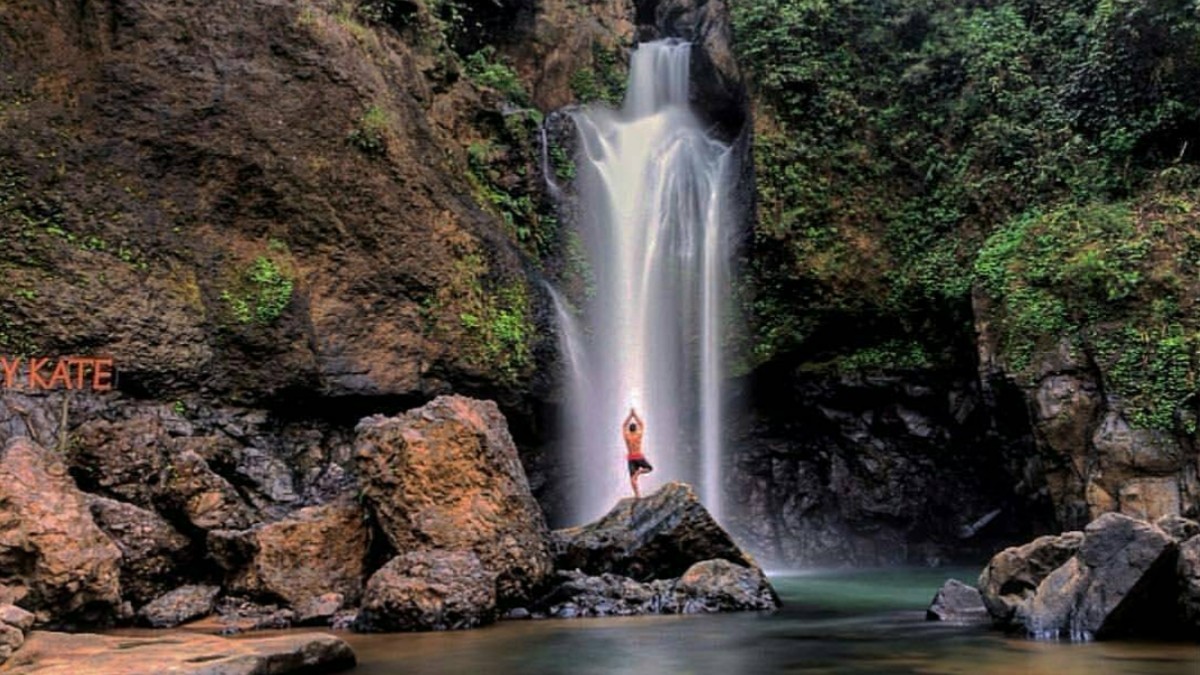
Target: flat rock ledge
[48, 653]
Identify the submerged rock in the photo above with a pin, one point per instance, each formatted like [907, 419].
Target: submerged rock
[447, 476]
[180, 606]
[54, 560]
[180, 652]
[657, 537]
[428, 590]
[957, 602]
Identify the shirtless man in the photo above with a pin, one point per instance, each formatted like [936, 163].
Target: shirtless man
[633, 429]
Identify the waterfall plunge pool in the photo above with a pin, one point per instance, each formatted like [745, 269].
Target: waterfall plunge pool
[858, 621]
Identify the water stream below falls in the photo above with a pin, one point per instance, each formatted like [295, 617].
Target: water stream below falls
[866, 621]
[653, 192]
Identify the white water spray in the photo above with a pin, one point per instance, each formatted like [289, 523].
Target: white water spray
[652, 189]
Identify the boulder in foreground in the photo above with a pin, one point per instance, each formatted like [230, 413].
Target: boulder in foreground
[447, 476]
[54, 560]
[428, 590]
[180, 652]
[657, 537]
[1124, 580]
[664, 554]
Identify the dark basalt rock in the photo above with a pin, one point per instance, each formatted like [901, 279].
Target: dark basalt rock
[957, 602]
[429, 590]
[153, 553]
[707, 587]
[180, 606]
[657, 537]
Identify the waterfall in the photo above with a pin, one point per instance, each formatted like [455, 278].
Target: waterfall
[652, 189]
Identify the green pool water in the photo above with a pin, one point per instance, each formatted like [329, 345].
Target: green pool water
[833, 622]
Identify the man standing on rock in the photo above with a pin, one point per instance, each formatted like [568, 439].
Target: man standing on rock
[633, 429]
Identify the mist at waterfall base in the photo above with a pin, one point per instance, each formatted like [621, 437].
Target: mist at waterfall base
[652, 189]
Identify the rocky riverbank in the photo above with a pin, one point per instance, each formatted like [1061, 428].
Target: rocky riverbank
[1119, 577]
[439, 531]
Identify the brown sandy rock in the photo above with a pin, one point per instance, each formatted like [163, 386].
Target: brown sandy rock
[447, 476]
[315, 551]
[180, 652]
[54, 560]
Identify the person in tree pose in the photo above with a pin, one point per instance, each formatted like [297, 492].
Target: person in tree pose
[633, 429]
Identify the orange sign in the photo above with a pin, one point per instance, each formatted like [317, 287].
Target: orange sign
[64, 373]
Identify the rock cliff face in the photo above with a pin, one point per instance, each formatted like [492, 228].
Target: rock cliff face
[902, 467]
[1092, 459]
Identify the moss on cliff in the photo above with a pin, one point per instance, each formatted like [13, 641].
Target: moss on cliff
[893, 138]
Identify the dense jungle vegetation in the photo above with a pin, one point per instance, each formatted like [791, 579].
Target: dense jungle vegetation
[1042, 153]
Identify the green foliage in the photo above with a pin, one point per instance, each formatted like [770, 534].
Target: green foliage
[896, 136]
[370, 133]
[261, 293]
[1121, 280]
[604, 81]
[564, 164]
[387, 12]
[902, 354]
[486, 69]
[495, 318]
[490, 167]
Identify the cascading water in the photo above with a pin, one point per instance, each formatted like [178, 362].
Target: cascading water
[652, 189]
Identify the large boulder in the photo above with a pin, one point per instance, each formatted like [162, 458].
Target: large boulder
[429, 590]
[722, 586]
[447, 476]
[180, 606]
[315, 551]
[658, 537]
[152, 551]
[1120, 582]
[54, 560]
[180, 652]
[1012, 576]
[957, 602]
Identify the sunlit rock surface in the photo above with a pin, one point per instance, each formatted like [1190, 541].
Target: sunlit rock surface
[180, 652]
[447, 476]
